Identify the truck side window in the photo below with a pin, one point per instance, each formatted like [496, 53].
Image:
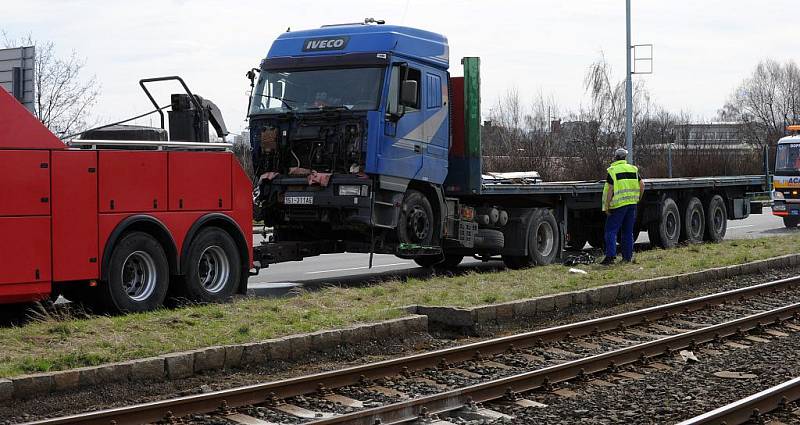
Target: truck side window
[434, 91]
[394, 89]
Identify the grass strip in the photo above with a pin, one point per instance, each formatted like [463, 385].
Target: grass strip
[57, 343]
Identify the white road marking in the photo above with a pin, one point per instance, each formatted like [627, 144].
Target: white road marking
[741, 227]
[358, 268]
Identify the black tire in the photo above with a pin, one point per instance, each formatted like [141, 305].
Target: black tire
[543, 239]
[489, 240]
[543, 242]
[213, 267]
[416, 224]
[138, 275]
[791, 222]
[716, 219]
[666, 232]
[694, 221]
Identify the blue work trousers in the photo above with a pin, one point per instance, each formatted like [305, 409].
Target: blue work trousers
[620, 219]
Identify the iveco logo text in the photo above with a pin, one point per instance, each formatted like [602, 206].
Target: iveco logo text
[318, 44]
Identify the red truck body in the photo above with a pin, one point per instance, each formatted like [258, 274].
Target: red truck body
[62, 210]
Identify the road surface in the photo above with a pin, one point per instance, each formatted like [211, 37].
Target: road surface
[353, 269]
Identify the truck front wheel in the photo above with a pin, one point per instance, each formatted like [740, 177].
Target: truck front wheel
[213, 268]
[416, 223]
[138, 275]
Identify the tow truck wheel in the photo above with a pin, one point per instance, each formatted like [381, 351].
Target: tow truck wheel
[694, 221]
[138, 275]
[716, 219]
[416, 223]
[791, 222]
[213, 270]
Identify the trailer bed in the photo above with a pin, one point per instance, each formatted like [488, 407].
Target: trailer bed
[752, 183]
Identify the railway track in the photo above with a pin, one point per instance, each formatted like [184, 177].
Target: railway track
[751, 408]
[419, 387]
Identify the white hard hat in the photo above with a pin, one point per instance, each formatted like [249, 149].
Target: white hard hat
[621, 153]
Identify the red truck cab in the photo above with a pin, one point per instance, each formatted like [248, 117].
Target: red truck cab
[118, 225]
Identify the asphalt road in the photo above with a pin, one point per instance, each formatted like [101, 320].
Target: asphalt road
[353, 269]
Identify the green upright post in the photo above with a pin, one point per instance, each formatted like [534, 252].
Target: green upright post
[472, 122]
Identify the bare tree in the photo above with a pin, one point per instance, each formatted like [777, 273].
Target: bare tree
[63, 98]
[765, 100]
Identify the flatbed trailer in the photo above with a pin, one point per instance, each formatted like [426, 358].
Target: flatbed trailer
[365, 143]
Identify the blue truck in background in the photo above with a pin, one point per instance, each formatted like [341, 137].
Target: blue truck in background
[363, 142]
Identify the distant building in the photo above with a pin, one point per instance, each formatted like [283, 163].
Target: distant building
[243, 138]
[726, 135]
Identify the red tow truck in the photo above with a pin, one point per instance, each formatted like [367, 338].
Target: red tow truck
[118, 225]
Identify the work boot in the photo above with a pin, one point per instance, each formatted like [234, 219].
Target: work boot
[607, 261]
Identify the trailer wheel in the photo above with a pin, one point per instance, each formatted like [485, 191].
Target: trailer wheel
[416, 223]
[694, 221]
[791, 222]
[666, 232]
[213, 267]
[139, 275]
[716, 219]
[543, 242]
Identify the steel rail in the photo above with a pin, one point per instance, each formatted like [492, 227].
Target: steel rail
[750, 408]
[415, 409]
[260, 393]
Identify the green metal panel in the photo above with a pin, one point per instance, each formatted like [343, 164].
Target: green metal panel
[464, 168]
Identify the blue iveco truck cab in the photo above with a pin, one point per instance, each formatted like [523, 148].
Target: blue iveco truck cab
[363, 142]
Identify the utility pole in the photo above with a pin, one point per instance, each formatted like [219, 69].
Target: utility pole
[628, 84]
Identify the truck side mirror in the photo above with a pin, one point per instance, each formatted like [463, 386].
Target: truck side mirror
[408, 94]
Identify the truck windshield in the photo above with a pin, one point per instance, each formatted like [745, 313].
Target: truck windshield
[356, 89]
[787, 160]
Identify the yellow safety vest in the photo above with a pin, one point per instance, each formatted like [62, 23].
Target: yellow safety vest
[625, 179]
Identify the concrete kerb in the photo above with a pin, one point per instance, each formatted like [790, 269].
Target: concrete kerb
[471, 318]
[185, 364]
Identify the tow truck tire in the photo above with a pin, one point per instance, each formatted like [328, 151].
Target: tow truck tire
[138, 275]
[416, 223]
[666, 232]
[694, 221]
[791, 222]
[716, 219]
[213, 267]
[489, 240]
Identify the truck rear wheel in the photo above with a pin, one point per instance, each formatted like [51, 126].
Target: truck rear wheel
[791, 222]
[416, 223]
[666, 232]
[213, 267]
[138, 275]
[716, 219]
[694, 221]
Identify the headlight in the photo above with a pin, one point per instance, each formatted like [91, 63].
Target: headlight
[777, 195]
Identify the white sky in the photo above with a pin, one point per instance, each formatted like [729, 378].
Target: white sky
[703, 48]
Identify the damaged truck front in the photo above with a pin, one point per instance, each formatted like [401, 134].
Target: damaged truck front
[351, 151]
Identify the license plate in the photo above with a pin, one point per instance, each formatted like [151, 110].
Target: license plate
[299, 200]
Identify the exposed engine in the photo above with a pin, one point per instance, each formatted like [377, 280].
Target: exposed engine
[306, 144]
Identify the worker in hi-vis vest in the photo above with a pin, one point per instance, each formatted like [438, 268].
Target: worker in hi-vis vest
[621, 193]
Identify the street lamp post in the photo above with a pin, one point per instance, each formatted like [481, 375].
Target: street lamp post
[628, 84]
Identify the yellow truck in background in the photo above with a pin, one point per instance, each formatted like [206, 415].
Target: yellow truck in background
[786, 181]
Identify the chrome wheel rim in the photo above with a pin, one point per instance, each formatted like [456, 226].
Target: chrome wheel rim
[213, 269]
[139, 275]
